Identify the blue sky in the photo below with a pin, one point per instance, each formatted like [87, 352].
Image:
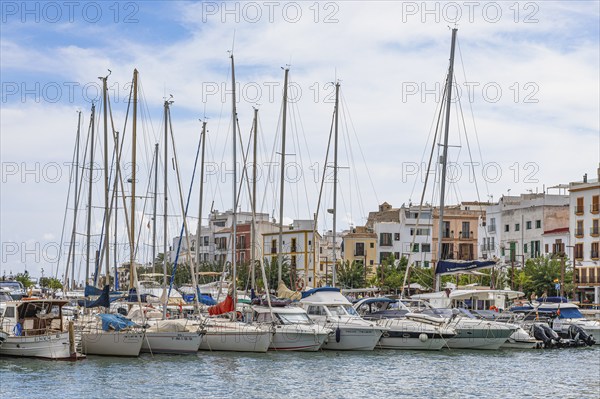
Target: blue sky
[534, 75]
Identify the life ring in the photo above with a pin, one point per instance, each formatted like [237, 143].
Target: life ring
[299, 283]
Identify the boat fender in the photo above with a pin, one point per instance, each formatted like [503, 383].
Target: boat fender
[338, 335]
[18, 329]
[423, 337]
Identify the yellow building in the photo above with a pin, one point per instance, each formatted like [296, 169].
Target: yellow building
[360, 245]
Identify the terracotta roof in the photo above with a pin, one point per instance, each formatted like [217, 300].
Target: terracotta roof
[557, 231]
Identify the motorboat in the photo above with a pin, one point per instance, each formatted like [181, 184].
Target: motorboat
[35, 328]
[224, 334]
[403, 333]
[472, 332]
[330, 309]
[293, 329]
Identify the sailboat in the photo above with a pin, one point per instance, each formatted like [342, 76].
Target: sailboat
[104, 333]
[223, 332]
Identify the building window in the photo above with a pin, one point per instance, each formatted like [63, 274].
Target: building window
[425, 263]
[396, 236]
[396, 255]
[425, 247]
[558, 247]
[359, 249]
[579, 229]
[273, 246]
[528, 225]
[293, 263]
[579, 251]
[517, 227]
[538, 224]
[446, 230]
[579, 206]
[595, 230]
[415, 248]
[506, 228]
[385, 239]
[466, 228]
[383, 256]
[594, 254]
[294, 248]
[371, 262]
[371, 245]
[524, 248]
[417, 263]
[595, 208]
[492, 226]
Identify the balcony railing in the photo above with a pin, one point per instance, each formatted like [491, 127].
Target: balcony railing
[594, 255]
[447, 234]
[492, 228]
[579, 210]
[359, 253]
[578, 232]
[594, 231]
[465, 235]
[595, 208]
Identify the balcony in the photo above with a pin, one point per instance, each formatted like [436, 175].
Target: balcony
[595, 231]
[448, 234]
[273, 250]
[491, 228]
[578, 233]
[588, 276]
[465, 235]
[595, 208]
[359, 253]
[579, 210]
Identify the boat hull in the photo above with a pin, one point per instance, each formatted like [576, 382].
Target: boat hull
[171, 342]
[411, 335]
[352, 339]
[47, 346]
[110, 343]
[293, 339]
[235, 337]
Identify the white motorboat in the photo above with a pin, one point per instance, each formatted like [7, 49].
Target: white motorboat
[472, 333]
[294, 330]
[34, 328]
[330, 309]
[566, 314]
[404, 333]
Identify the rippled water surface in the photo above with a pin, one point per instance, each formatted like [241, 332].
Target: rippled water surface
[567, 373]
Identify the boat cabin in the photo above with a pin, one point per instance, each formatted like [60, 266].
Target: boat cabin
[33, 317]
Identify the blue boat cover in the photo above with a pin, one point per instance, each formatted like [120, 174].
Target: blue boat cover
[320, 289]
[116, 322]
[376, 300]
[207, 300]
[103, 299]
[457, 266]
[553, 299]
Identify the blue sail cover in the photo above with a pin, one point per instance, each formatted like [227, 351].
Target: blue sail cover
[457, 266]
[116, 322]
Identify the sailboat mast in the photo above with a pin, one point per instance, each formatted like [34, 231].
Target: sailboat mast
[445, 155]
[165, 204]
[335, 171]
[89, 210]
[133, 177]
[154, 206]
[106, 172]
[234, 214]
[75, 201]
[115, 197]
[199, 228]
[282, 179]
[253, 232]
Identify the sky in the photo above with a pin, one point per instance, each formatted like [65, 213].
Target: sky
[525, 112]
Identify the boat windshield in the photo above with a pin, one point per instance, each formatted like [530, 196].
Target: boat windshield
[293, 318]
[342, 310]
[570, 313]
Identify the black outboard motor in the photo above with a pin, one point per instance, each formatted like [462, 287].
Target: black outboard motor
[577, 333]
[546, 335]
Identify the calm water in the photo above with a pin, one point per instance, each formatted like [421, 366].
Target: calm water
[567, 373]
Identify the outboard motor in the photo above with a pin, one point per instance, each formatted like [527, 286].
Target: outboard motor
[577, 333]
[539, 332]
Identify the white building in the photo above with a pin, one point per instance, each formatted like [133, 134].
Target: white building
[584, 203]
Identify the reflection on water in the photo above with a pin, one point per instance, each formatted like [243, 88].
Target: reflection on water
[381, 373]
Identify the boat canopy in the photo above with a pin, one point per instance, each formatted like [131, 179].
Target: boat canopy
[320, 289]
[460, 266]
[367, 301]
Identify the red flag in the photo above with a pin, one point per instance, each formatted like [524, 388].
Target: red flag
[222, 307]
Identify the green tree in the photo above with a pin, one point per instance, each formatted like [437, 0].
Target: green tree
[271, 270]
[51, 283]
[351, 274]
[24, 279]
[542, 273]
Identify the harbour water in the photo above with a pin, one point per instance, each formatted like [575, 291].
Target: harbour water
[566, 373]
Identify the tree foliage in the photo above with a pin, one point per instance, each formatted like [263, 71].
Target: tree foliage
[24, 279]
[351, 274]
